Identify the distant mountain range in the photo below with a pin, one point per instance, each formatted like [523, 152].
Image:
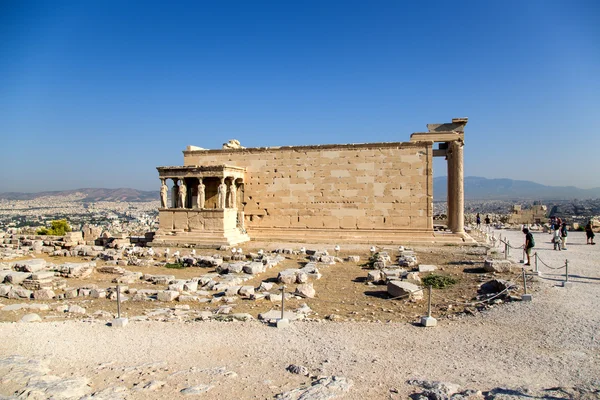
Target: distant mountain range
[477, 188]
[91, 195]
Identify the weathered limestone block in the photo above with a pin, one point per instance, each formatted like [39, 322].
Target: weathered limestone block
[414, 277]
[353, 259]
[5, 290]
[232, 290]
[44, 294]
[501, 266]
[41, 275]
[70, 293]
[246, 291]
[376, 276]
[159, 279]
[301, 277]
[287, 276]
[31, 318]
[73, 308]
[427, 268]
[190, 286]
[98, 293]
[407, 261]
[17, 278]
[167, 295]
[18, 292]
[305, 290]
[254, 268]
[34, 265]
[401, 288]
[177, 287]
[265, 286]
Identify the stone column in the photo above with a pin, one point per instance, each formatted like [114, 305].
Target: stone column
[174, 193]
[201, 198]
[450, 189]
[458, 212]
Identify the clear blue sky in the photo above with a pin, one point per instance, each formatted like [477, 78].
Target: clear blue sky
[99, 93]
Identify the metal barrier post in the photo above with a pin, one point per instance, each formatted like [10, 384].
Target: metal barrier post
[428, 320]
[119, 322]
[505, 250]
[282, 322]
[282, 300]
[118, 301]
[536, 271]
[566, 282]
[525, 296]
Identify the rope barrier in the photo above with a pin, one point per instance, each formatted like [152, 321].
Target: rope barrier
[546, 265]
[481, 301]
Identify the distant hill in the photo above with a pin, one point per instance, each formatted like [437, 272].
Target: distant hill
[121, 194]
[477, 188]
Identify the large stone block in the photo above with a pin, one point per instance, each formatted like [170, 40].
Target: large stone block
[404, 290]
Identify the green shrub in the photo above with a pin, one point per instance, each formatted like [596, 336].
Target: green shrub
[438, 281]
[59, 228]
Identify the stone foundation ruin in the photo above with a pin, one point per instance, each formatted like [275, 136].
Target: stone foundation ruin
[359, 193]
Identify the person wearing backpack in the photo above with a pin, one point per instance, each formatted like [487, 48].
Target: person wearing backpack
[563, 235]
[529, 244]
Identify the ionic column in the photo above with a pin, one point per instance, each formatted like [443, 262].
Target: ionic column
[174, 193]
[450, 189]
[458, 213]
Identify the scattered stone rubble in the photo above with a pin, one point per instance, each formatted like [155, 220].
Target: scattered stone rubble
[40, 280]
[401, 280]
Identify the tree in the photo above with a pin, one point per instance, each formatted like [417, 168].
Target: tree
[59, 228]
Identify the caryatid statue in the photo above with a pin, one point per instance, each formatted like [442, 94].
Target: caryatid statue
[201, 194]
[232, 198]
[164, 191]
[182, 194]
[221, 194]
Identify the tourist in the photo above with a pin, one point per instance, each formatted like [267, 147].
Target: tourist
[487, 220]
[478, 220]
[589, 233]
[563, 235]
[552, 224]
[556, 239]
[529, 243]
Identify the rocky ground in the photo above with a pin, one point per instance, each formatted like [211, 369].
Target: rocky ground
[525, 347]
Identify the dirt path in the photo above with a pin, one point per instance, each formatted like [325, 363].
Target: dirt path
[552, 341]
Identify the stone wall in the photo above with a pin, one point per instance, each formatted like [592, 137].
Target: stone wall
[340, 187]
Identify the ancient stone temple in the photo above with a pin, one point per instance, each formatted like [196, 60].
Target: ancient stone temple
[380, 193]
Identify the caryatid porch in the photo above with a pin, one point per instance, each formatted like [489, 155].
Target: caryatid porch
[205, 207]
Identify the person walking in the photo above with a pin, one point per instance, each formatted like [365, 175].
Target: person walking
[487, 220]
[563, 235]
[556, 239]
[529, 244]
[478, 220]
[589, 233]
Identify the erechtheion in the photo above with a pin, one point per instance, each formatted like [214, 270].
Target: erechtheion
[359, 193]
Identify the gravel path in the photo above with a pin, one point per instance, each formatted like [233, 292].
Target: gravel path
[552, 341]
